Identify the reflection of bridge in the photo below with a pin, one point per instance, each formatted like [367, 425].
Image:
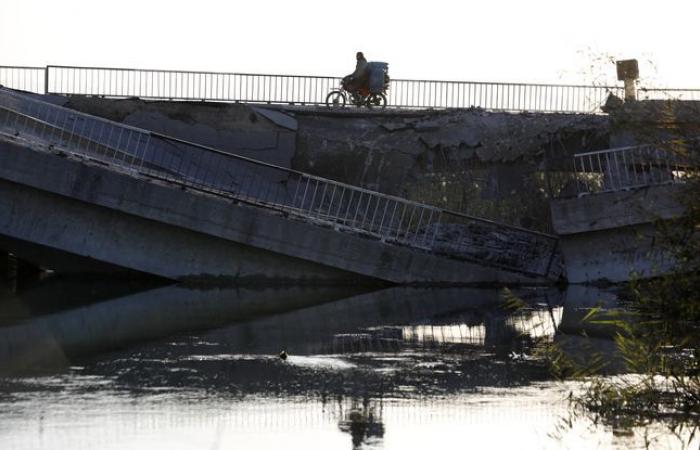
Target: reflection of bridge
[171, 309]
[77, 184]
[233, 377]
[526, 419]
[387, 320]
[264, 422]
[467, 329]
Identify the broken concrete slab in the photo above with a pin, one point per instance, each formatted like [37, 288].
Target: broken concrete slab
[233, 128]
[442, 157]
[278, 118]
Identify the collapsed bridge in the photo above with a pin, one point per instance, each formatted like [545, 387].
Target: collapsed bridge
[97, 193]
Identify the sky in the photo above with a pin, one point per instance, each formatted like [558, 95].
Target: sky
[490, 40]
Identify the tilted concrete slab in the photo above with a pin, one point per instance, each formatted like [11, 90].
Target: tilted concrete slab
[609, 210]
[93, 210]
[612, 237]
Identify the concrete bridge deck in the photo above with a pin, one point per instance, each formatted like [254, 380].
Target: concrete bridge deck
[75, 184]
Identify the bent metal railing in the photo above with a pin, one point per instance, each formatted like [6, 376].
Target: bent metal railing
[632, 167]
[296, 194]
[301, 90]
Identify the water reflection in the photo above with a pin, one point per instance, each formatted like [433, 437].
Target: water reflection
[39, 335]
[171, 367]
[363, 420]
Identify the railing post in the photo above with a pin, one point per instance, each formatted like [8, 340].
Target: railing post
[46, 80]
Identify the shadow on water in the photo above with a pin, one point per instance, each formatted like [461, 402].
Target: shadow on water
[60, 321]
[350, 357]
[398, 341]
[57, 321]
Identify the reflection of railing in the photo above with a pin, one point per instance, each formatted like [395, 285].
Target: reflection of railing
[630, 167]
[450, 330]
[308, 197]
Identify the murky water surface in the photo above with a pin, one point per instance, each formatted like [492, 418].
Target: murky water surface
[113, 365]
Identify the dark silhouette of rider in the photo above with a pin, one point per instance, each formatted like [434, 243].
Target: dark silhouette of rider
[360, 77]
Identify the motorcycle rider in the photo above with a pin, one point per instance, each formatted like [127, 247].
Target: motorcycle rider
[360, 76]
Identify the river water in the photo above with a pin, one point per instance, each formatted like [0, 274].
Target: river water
[108, 364]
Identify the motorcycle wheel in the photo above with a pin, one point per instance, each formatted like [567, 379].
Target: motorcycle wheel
[336, 99]
[357, 99]
[378, 100]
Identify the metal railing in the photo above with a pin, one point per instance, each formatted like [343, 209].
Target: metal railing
[31, 79]
[296, 194]
[312, 90]
[303, 90]
[186, 85]
[513, 97]
[235, 87]
[638, 166]
[668, 94]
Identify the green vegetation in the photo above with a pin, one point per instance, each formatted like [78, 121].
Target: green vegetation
[654, 374]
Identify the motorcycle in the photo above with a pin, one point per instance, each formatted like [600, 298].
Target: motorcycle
[371, 94]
